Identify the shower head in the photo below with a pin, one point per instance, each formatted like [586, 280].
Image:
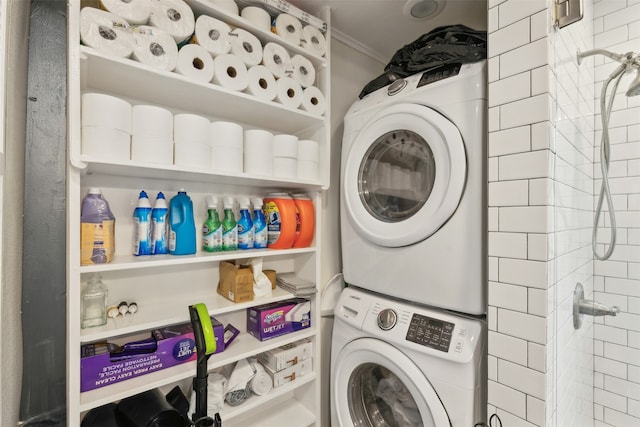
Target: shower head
[634, 87]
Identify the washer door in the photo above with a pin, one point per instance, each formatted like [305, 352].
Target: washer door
[376, 385]
[404, 175]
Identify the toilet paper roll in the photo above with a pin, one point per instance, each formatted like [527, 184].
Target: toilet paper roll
[227, 5]
[226, 159]
[258, 17]
[289, 92]
[285, 146]
[285, 167]
[191, 128]
[149, 149]
[106, 32]
[155, 47]
[303, 71]
[258, 152]
[135, 12]
[277, 60]
[152, 121]
[313, 40]
[105, 111]
[173, 16]
[289, 28]
[261, 83]
[226, 135]
[261, 383]
[192, 155]
[195, 63]
[213, 35]
[246, 46]
[230, 72]
[106, 143]
[307, 170]
[308, 150]
[313, 101]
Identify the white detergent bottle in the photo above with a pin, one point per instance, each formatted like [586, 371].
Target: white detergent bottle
[142, 226]
[245, 225]
[259, 225]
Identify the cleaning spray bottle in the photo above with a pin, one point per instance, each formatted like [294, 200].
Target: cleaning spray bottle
[229, 227]
[159, 226]
[182, 227]
[212, 228]
[245, 225]
[259, 225]
[142, 226]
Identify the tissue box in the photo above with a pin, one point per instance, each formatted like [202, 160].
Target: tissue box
[101, 364]
[286, 355]
[236, 282]
[289, 374]
[278, 318]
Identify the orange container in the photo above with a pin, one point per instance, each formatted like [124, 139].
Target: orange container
[305, 221]
[280, 214]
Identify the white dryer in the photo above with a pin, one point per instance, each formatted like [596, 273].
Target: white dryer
[413, 189]
[398, 364]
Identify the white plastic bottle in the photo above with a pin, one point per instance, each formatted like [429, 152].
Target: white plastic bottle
[245, 225]
[142, 226]
[260, 236]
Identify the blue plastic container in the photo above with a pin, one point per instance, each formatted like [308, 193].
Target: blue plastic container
[182, 226]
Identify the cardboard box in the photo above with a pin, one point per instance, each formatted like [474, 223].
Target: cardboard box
[107, 363]
[236, 282]
[289, 374]
[278, 318]
[271, 274]
[286, 355]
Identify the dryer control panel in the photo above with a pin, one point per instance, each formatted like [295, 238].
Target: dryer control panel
[430, 332]
[439, 73]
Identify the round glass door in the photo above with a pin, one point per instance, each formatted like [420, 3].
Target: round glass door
[404, 175]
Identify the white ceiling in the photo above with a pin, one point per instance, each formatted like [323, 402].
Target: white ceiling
[380, 26]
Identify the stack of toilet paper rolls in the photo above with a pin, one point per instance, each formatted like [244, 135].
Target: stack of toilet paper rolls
[258, 152]
[307, 166]
[152, 134]
[191, 141]
[106, 127]
[226, 146]
[285, 156]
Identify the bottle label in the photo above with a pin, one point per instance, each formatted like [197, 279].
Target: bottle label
[142, 236]
[272, 213]
[159, 235]
[97, 242]
[230, 239]
[172, 240]
[245, 237]
[212, 239]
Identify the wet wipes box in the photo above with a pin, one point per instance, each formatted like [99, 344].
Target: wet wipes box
[287, 355]
[105, 363]
[278, 318]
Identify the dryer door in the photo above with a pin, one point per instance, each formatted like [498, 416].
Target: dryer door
[404, 175]
[376, 385]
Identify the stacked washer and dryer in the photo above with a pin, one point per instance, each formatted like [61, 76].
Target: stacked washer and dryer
[409, 338]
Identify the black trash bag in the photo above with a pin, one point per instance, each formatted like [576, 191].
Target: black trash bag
[443, 45]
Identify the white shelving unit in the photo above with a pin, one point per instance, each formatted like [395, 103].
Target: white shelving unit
[164, 286]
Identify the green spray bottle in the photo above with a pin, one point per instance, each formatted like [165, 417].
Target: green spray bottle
[229, 227]
[212, 227]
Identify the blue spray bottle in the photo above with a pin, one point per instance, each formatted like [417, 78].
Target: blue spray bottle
[142, 226]
[259, 225]
[245, 225]
[160, 226]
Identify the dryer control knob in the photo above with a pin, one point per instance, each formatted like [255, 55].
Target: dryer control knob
[387, 319]
[396, 87]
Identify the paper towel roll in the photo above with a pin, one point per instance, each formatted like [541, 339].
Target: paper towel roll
[135, 12]
[226, 134]
[308, 150]
[246, 46]
[277, 60]
[258, 17]
[192, 155]
[313, 40]
[289, 92]
[173, 16]
[106, 32]
[289, 28]
[195, 63]
[285, 146]
[106, 143]
[303, 71]
[213, 35]
[105, 111]
[261, 83]
[313, 101]
[152, 149]
[307, 170]
[230, 72]
[155, 47]
[191, 128]
[228, 5]
[258, 152]
[261, 383]
[285, 167]
[152, 121]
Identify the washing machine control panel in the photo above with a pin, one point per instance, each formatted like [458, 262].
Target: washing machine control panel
[430, 332]
[387, 319]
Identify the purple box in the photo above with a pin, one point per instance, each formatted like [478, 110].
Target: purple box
[106, 363]
[278, 318]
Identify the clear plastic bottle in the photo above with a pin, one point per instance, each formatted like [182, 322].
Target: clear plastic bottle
[245, 225]
[160, 226]
[229, 227]
[212, 227]
[97, 229]
[142, 226]
[93, 304]
[259, 225]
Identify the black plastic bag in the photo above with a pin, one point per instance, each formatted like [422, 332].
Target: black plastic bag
[442, 45]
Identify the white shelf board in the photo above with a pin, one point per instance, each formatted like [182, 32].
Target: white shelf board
[132, 80]
[242, 347]
[131, 262]
[172, 312]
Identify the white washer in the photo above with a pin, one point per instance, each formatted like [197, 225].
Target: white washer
[398, 364]
[413, 196]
